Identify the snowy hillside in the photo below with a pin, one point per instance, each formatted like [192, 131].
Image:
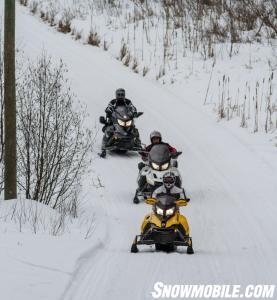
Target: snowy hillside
[229, 174]
[219, 45]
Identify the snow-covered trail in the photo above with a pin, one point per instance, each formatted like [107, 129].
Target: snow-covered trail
[233, 210]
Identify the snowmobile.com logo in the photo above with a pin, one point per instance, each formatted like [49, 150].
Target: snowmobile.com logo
[179, 291]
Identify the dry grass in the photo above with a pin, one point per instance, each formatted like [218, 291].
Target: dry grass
[94, 39]
[64, 27]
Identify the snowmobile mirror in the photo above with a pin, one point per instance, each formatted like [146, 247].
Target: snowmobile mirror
[175, 155]
[139, 114]
[151, 201]
[102, 120]
[181, 202]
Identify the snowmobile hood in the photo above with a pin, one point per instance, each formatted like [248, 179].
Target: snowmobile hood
[121, 130]
[159, 154]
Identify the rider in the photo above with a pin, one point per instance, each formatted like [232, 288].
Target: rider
[155, 138]
[120, 100]
[169, 187]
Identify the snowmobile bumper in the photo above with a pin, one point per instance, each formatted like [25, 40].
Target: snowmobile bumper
[121, 148]
[163, 237]
[123, 144]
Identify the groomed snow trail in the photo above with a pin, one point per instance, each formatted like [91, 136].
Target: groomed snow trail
[233, 210]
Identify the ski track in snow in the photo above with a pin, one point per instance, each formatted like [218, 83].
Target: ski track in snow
[232, 213]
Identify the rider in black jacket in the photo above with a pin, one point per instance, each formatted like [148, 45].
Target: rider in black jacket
[119, 100]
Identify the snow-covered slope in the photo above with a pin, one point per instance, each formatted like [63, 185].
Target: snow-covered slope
[229, 176]
[185, 48]
[33, 240]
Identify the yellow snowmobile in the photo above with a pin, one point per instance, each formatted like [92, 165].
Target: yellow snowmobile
[165, 227]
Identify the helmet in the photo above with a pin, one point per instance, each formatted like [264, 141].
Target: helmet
[169, 180]
[155, 134]
[120, 94]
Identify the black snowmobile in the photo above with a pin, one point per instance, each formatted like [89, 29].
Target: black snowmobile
[150, 177]
[120, 134]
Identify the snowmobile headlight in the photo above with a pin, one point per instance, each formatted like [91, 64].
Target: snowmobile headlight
[128, 123]
[120, 122]
[165, 166]
[160, 211]
[169, 211]
[155, 166]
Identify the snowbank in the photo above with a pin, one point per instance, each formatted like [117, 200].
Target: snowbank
[39, 249]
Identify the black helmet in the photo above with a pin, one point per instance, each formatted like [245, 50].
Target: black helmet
[155, 134]
[120, 94]
[169, 180]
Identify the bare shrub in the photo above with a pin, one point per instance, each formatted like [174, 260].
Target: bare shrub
[124, 55]
[243, 123]
[42, 15]
[126, 59]
[256, 107]
[34, 7]
[145, 71]
[219, 32]
[105, 46]
[64, 26]
[77, 34]
[269, 124]
[49, 14]
[123, 51]
[23, 2]
[53, 144]
[135, 66]
[94, 39]
[222, 98]
[266, 11]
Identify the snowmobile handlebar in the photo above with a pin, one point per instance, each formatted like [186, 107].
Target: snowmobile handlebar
[142, 152]
[176, 154]
[150, 201]
[179, 202]
[139, 114]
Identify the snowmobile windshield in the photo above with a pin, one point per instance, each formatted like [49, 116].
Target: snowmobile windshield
[123, 116]
[159, 157]
[122, 112]
[166, 201]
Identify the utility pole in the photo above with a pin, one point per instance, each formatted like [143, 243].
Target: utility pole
[10, 181]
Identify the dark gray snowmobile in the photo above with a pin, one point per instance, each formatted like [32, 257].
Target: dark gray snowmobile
[120, 133]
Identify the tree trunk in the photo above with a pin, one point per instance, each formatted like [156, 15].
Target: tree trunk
[10, 101]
